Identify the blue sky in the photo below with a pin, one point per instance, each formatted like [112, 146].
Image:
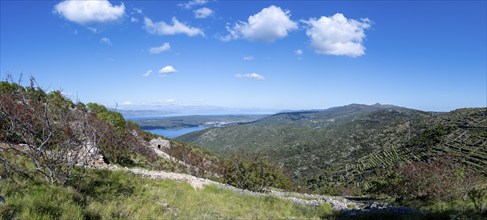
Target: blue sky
[429, 55]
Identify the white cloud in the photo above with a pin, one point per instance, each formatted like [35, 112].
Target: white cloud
[106, 40]
[268, 25]
[132, 19]
[190, 4]
[84, 12]
[157, 50]
[337, 35]
[298, 52]
[202, 12]
[167, 70]
[147, 73]
[138, 11]
[92, 29]
[250, 76]
[248, 58]
[162, 28]
[127, 103]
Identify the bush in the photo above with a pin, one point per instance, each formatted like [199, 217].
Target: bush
[114, 118]
[439, 180]
[478, 196]
[255, 174]
[43, 128]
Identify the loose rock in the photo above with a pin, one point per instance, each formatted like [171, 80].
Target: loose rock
[378, 205]
[165, 206]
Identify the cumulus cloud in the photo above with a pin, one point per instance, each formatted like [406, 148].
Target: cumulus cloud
[250, 76]
[202, 12]
[190, 4]
[162, 28]
[298, 52]
[167, 70]
[84, 12]
[268, 25]
[132, 19]
[106, 40]
[337, 35]
[147, 73]
[248, 58]
[157, 50]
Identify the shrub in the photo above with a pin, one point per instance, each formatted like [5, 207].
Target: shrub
[439, 180]
[253, 173]
[478, 196]
[44, 129]
[114, 118]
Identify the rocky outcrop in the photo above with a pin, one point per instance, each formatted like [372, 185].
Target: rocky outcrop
[87, 155]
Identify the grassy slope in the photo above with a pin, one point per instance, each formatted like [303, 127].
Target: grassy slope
[112, 195]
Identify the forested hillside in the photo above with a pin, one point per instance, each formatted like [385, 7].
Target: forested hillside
[346, 145]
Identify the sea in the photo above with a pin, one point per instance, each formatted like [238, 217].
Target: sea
[173, 133]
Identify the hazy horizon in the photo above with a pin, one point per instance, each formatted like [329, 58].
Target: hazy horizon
[264, 55]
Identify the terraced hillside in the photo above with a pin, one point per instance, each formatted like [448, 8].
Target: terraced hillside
[460, 134]
[347, 144]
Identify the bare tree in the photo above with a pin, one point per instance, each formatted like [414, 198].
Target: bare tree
[47, 130]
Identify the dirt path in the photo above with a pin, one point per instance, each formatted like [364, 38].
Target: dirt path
[338, 203]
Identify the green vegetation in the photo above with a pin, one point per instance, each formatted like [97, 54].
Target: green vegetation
[432, 161]
[254, 174]
[118, 195]
[114, 118]
[55, 129]
[346, 145]
[49, 123]
[307, 143]
[440, 186]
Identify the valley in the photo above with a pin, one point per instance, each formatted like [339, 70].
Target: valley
[208, 109]
[352, 144]
[353, 160]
